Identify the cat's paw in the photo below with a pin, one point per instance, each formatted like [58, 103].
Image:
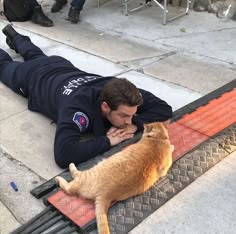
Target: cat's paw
[72, 166]
[57, 179]
[172, 148]
[73, 170]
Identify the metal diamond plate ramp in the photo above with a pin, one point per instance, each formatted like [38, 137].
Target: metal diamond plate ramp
[125, 215]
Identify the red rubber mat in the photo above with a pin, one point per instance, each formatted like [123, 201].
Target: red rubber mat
[187, 133]
[184, 139]
[214, 117]
[79, 210]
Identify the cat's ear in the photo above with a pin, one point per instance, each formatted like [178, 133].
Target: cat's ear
[148, 128]
[166, 123]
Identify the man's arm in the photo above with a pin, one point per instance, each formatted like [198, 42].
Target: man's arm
[153, 109]
[69, 148]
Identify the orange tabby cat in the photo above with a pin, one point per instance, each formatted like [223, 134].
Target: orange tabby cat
[127, 173]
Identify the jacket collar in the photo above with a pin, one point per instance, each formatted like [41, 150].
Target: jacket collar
[98, 125]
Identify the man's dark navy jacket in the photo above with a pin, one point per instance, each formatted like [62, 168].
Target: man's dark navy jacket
[70, 97]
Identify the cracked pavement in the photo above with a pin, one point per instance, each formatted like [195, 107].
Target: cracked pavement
[179, 67]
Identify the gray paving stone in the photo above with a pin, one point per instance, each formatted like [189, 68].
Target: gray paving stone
[146, 23]
[219, 45]
[7, 221]
[21, 204]
[94, 41]
[37, 39]
[29, 136]
[10, 102]
[201, 76]
[175, 95]
[85, 61]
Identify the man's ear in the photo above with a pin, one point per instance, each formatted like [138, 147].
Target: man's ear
[105, 108]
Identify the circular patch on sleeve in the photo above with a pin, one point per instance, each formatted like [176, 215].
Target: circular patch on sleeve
[81, 120]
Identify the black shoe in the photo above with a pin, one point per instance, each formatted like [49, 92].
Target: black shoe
[10, 33]
[38, 17]
[73, 15]
[58, 5]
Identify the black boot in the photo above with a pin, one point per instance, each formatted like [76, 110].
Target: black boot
[38, 17]
[73, 15]
[58, 5]
[10, 33]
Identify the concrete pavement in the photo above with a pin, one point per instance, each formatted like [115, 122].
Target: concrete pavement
[178, 67]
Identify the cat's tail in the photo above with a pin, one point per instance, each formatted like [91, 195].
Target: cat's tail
[102, 206]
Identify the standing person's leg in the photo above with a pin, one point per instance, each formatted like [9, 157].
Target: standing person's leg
[8, 74]
[21, 44]
[38, 16]
[74, 12]
[58, 5]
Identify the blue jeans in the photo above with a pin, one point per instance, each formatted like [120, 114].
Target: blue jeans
[78, 4]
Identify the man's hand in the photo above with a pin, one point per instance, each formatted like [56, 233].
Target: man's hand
[117, 135]
[129, 129]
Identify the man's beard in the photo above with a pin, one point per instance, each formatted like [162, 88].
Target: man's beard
[115, 125]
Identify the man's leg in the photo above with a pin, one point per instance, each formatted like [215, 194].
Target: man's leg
[8, 74]
[22, 44]
[26, 48]
[74, 12]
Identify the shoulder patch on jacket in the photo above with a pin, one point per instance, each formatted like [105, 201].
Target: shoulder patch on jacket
[81, 120]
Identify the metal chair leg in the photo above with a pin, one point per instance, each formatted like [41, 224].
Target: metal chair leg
[183, 13]
[163, 7]
[165, 11]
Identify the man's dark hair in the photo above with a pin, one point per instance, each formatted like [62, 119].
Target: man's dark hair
[120, 91]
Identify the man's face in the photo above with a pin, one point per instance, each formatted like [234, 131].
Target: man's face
[121, 117]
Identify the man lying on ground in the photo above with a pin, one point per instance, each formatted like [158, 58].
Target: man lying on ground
[110, 108]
